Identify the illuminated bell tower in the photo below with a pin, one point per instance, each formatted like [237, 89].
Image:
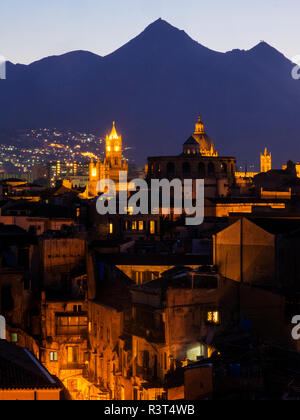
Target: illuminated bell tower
[112, 165]
[265, 161]
[114, 148]
[114, 161]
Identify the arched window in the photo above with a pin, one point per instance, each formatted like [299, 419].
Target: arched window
[201, 170]
[224, 168]
[170, 169]
[186, 169]
[211, 169]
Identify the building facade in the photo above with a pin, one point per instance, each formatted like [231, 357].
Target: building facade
[199, 160]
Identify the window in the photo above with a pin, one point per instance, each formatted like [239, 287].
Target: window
[73, 354]
[53, 356]
[134, 225]
[186, 168]
[72, 325]
[211, 169]
[165, 361]
[170, 169]
[213, 317]
[152, 227]
[14, 337]
[224, 168]
[139, 277]
[141, 226]
[111, 228]
[201, 170]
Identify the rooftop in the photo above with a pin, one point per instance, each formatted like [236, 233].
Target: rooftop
[19, 369]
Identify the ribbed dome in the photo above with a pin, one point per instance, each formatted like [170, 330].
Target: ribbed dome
[200, 137]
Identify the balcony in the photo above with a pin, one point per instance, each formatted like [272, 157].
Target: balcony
[72, 330]
[72, 324]
[74, 366]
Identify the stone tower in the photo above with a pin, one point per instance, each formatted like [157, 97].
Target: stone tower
[112, 165]
[265, 161]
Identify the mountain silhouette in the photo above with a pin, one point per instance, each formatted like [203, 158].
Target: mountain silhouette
[154, 87]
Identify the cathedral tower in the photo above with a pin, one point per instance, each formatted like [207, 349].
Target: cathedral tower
[114, 161]
[114, 148]
[265, 161]
[112, 165]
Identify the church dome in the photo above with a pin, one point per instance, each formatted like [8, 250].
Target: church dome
[200, 141]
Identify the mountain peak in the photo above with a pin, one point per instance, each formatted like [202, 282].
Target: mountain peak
[159, 23]
[263, 45]
[161, 26]
[265, 51]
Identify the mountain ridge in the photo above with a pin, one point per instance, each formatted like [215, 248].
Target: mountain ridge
[154, 86]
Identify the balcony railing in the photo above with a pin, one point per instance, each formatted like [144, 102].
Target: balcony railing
[74, 366]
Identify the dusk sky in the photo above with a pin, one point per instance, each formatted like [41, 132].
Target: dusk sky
[33, 29]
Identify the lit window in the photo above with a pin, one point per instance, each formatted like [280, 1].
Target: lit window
[152, 227]
[141, 226]
[134, 225]
[14, 337]
[108, 148]
[111, 228]
[117, 149]
[213, 317]
[53, 356]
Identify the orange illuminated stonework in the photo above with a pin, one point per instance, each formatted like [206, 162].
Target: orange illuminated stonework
[112, 165]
